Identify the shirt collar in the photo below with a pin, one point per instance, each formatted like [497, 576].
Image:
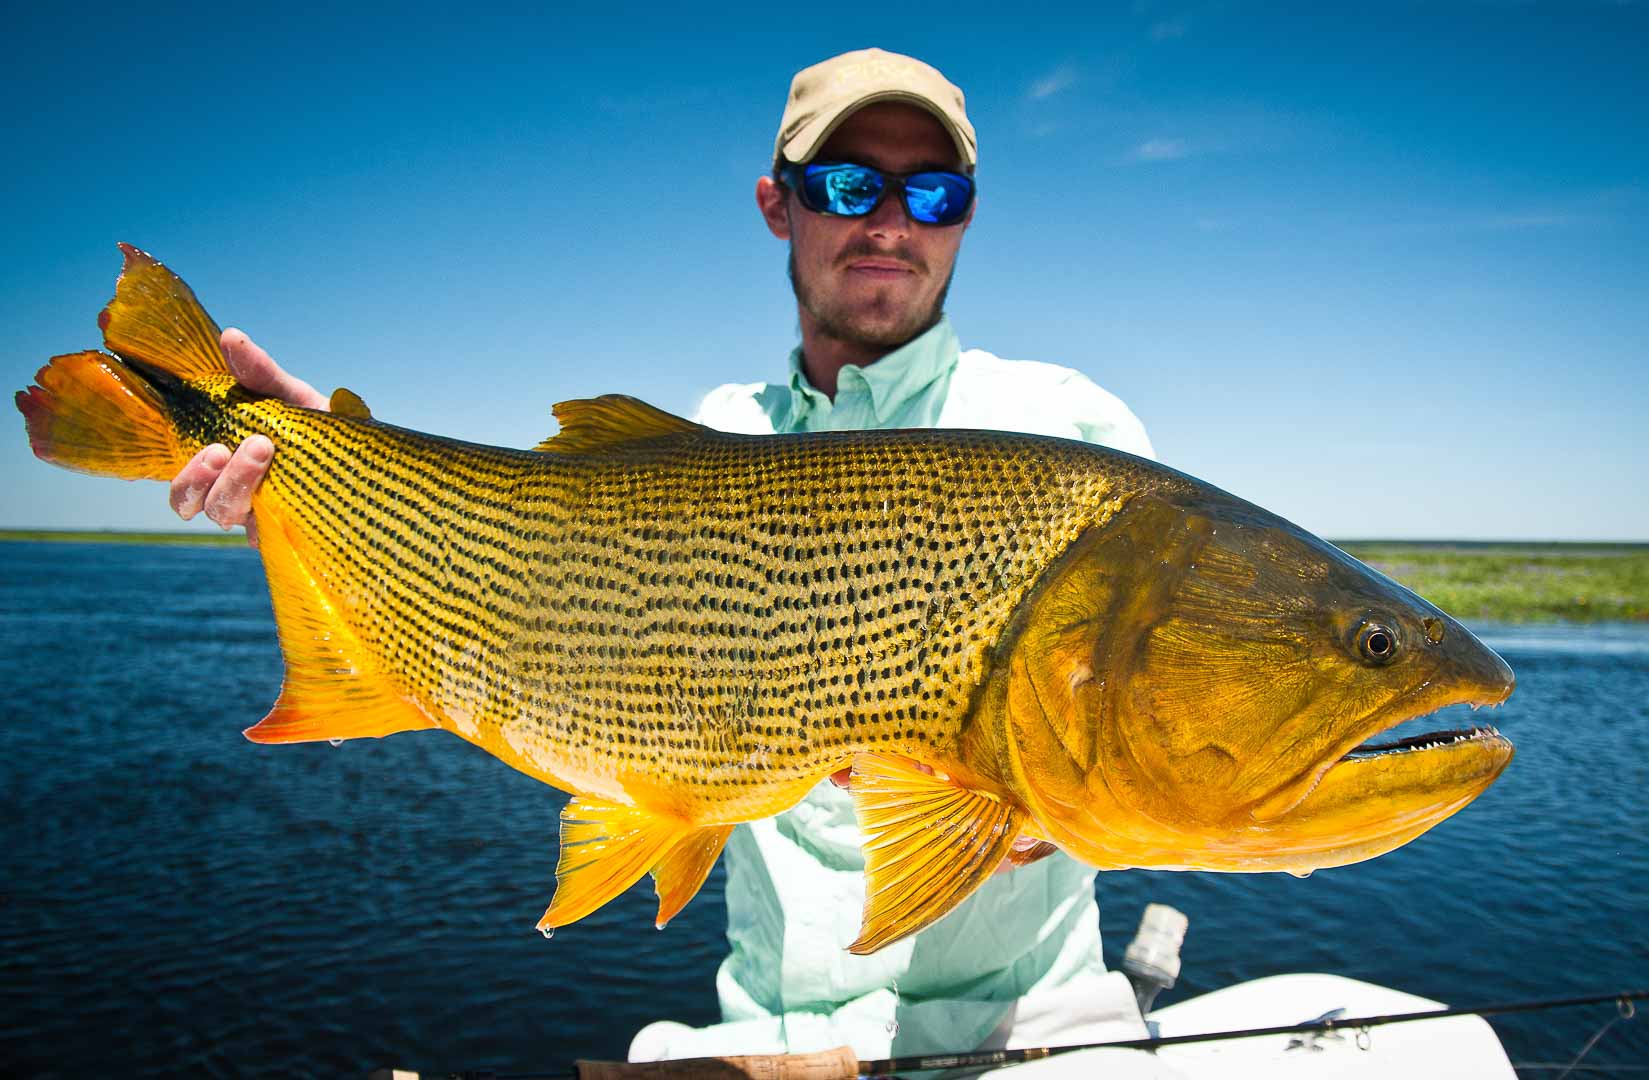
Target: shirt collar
[891, 381]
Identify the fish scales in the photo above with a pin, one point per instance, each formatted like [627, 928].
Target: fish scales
[728, 637]
[1002, 635]
[672, 615]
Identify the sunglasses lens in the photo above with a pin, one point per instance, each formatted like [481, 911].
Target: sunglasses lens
[849, 190]
[938, 198]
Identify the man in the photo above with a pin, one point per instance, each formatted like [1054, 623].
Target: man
[872, 186]
[860, 191]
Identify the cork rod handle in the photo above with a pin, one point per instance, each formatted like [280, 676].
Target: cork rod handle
[838, 1064]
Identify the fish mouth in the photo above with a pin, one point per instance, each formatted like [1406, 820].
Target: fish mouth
[1415, 763]
[1383, 792]
[1487, 693]
[1430, 741]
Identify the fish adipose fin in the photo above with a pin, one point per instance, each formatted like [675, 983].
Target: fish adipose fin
[678, 876]
[332, 689]
[605, 848]
[611, 420]
[155, 318]
[91, 413]
[929, 843]
[348, 403]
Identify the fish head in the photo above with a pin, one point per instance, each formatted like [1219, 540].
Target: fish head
[1196, 682]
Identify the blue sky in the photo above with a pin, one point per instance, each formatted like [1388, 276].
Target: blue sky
[1382, 270]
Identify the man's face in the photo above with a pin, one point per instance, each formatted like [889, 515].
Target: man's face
[875, 281]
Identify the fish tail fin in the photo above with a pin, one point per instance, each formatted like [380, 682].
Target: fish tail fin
[155, 321]
[108, 414]
[89, 412]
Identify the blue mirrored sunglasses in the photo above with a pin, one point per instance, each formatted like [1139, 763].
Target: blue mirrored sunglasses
[848, 190]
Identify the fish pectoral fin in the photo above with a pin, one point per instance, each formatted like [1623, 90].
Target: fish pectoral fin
[929, 843]
[611, 420]
[332, 689]
[346, 402]
[605, 848]
[1025, 856]
[678, 876]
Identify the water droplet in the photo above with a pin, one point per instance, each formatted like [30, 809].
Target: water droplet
[547, 931]
[1301, 873]
[335, 742]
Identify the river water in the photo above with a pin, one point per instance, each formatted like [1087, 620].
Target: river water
[174, 899]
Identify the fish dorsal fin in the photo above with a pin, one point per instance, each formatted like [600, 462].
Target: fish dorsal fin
[929, 843]
[589, 424]
[348, 403]
[155, 318]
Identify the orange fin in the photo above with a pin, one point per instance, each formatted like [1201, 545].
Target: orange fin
[348, 403]
[155, 318]
[929, 843]
[605, 848]
[1035, 853]
[678, 876]
[610, 420]
[333, 688]
[92, 413]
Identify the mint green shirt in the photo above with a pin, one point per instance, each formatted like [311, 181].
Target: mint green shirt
[1026, 945]
[932, 382]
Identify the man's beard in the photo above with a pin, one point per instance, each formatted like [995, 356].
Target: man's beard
[841, 325]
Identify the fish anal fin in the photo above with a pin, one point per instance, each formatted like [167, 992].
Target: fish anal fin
[601, 423]
[929, 843]
[155, 318]
[678, 876]
[333, 689]
[605, 849]
[347, 402]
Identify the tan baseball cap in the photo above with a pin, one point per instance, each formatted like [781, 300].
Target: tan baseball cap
[827, 93]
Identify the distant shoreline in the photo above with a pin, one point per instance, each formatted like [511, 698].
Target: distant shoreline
[1473, 580]
[121, 536]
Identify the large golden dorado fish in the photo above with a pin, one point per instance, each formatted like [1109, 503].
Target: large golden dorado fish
[999, 634]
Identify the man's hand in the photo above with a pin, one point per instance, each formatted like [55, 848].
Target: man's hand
[221, 483]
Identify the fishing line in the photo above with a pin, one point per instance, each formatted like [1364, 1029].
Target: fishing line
[1624, 1010]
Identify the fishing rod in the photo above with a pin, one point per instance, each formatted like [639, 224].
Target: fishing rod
[842, 1064]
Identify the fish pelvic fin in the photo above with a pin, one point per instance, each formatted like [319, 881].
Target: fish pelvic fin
[89, 412]
[929, 844]
[606, 848]
[333, 688]
[591, 424]
[154, 318]
[678, 876]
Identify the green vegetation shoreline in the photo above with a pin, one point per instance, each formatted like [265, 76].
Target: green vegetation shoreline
[1519, 582]
[117, 536]
[1475, 581]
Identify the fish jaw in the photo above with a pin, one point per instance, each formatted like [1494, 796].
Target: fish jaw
[1369, 803]
[1188, 687]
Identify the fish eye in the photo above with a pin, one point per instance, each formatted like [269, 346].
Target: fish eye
[1377, 643]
